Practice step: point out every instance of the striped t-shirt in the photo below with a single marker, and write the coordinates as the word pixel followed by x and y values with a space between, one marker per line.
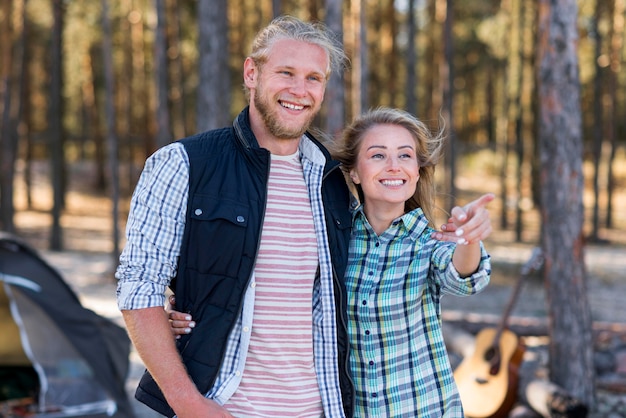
pixel 279 378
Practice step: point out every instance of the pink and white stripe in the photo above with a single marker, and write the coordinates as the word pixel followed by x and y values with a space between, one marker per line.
pixel 279 378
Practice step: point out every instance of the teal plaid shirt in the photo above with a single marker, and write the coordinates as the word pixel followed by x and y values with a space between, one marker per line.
pixel 395 282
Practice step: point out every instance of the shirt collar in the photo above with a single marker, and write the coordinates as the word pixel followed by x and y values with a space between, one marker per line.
pixel 413 224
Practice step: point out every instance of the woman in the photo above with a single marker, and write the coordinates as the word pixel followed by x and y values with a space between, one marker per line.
pixel 399 267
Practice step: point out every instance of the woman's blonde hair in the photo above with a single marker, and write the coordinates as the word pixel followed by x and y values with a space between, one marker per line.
pixel 428 149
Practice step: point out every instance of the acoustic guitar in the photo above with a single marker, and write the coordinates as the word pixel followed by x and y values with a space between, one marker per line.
pixel 487 380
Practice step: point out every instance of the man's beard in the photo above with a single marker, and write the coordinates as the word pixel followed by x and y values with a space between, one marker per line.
pixel 272 121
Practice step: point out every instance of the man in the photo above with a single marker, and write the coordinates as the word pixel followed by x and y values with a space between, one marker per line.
pixel 249 225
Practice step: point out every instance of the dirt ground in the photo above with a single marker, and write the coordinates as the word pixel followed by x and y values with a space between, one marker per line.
pixel 88 265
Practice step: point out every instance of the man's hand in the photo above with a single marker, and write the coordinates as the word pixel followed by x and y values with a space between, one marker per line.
pixel 203 408
pixel 151 335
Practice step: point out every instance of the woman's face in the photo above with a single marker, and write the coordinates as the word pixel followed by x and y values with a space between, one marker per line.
pixel 386 168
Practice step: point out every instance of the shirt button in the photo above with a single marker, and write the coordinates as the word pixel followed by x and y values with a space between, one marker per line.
pixel 371 273
pixel 253 284
pixel 240 219
pixel 367 332
pixel 371 363
pixel 374 395
pixel 198 212
pixel 237 373
pixel 377 244
pixel 364 302
pixel 246 329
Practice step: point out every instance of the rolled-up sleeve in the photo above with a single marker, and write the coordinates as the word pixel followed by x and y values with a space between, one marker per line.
pixel 154 230
pixel 450 280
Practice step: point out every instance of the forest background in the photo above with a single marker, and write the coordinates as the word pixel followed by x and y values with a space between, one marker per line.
pixel 90 88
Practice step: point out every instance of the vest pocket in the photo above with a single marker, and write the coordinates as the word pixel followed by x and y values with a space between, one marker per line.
pixel 217 235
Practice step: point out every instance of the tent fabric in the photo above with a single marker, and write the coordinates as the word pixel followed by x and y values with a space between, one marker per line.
pixel 11 350
pixel 81 358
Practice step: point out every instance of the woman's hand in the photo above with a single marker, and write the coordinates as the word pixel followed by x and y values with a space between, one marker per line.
pixel 468 224
pixel 180 323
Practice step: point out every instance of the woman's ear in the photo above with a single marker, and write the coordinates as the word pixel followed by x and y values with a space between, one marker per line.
pixel 354 177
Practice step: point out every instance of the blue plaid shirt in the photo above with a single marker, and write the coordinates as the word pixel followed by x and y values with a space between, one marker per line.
pixel 395 282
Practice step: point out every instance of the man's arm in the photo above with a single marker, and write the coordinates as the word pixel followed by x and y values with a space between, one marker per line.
pixel 150 332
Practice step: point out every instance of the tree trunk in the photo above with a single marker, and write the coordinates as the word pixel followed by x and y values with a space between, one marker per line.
pixel 91 121
pixel 335 114
pixel 359 61
pixel 447 80
pixel 111 134
pixel 6 163
pixel 517 117
pixel 177 95
pixel 411 61
pixel 26 115
pixel 561 151
pixel 502 131
pixel 616 47
pixel 13 82
pixel 598 136
pixel 391 63
pixel 164 128
pixel 142 123
pixel 277 8
pixel 432 94
pixel 55 126
pixel 126 97
pixel 214 87
pixel 363 85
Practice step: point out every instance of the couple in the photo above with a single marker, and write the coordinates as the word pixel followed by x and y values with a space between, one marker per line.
pixel 301 308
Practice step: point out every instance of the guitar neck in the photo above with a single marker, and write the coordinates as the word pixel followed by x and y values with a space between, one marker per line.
pixel 532 264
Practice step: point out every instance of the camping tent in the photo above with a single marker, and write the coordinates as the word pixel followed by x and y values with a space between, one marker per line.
pixel 57 358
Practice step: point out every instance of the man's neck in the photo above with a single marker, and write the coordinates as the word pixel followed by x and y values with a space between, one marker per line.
pixel 279 146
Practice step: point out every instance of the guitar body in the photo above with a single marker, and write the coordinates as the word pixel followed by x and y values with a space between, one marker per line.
pixel 485 392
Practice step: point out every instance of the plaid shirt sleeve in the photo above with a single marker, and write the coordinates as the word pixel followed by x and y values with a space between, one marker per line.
pixel 154 230
pixel 448 278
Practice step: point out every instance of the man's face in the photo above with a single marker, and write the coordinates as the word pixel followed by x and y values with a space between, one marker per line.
pixel 288 90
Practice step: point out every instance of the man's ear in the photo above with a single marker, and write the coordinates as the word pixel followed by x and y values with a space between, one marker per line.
pixel 250 73
pixel 355 177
